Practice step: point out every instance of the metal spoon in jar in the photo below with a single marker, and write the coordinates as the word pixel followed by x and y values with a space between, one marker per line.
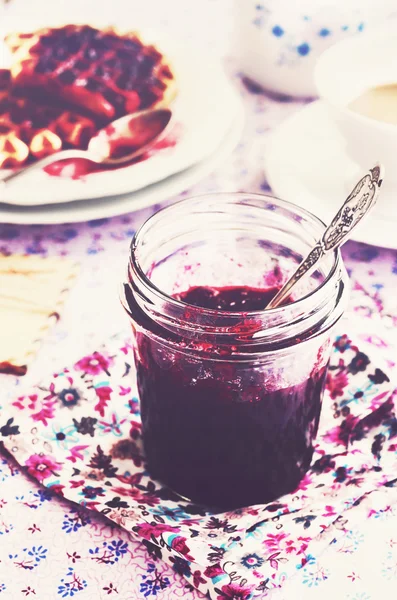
pixel 119 142
pixel 356 206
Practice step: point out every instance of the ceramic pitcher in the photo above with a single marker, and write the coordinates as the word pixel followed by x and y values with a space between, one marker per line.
pixel 278 41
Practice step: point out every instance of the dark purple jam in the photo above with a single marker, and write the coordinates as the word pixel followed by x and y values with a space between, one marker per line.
pixel 214 430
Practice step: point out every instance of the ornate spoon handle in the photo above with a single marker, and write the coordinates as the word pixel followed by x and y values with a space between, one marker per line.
pixel 356 206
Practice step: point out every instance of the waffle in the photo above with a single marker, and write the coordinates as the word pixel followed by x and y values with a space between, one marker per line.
pixel 30 130
pixel 100 72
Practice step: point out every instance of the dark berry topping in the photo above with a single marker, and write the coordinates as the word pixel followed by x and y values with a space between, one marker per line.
pixel 67 77
pixel 45 65
pixel 165 71
pixel 124 83
pixel 82 65
pixel 116 100
pixel 154 54
pixel 5 75
pixel 60 52
pixel 104 73
pixel 92 85
pixel 148 97
pixel 113 63
pixel 132 45
pixel 123 54
pixel 90 53
pixel 17 115
pixel 39 121
pixel 48 40
pixel 110 40
pixel 132 71
pixel 73 43
pixel 98 44
pixel 157 83
pixel 4 129
pixel 146 65
pixel 88 33
pixel 50 113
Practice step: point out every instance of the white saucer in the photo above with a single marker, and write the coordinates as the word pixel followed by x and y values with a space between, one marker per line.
pixel 99 208
pixel 200 124
pixel 306 163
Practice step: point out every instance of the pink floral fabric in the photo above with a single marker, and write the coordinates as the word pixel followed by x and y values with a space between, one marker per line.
pixel 78 434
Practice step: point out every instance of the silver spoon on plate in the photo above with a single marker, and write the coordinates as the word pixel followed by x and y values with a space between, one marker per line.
pixel 119 142
pixel 356 207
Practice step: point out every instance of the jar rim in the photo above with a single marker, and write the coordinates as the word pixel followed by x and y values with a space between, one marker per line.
pixel 163 296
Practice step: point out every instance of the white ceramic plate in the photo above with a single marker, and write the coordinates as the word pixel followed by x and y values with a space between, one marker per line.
pixel 203 111
pixel 99 208
pixel 306 163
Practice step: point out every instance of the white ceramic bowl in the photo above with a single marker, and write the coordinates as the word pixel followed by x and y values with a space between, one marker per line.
pixel 344 72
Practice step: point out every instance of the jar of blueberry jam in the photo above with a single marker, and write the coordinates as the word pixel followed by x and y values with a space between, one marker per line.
pixel 230 393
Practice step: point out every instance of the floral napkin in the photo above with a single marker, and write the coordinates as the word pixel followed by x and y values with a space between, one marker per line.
pixel 79 434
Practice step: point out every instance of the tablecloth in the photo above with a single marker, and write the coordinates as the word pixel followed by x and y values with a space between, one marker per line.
pixel 51 549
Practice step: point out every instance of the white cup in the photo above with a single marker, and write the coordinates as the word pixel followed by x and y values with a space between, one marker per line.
pixel 279 41
pixel 342 74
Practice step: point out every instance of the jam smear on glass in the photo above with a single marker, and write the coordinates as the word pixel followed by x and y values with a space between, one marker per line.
pixel 222 432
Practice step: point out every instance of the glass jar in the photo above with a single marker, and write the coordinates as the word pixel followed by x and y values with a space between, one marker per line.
pixel 230 400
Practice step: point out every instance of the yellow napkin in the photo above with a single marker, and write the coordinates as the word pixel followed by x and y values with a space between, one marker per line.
pixel 32 292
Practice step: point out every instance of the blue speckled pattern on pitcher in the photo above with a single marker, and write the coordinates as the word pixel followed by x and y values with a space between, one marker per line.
pixel 280 41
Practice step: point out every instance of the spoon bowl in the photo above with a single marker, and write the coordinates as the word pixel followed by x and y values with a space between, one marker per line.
pixel 119 142
pixel 130 136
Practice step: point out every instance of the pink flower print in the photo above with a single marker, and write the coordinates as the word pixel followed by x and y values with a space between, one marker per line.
pixel 114 426
pixel 290 547
pixel 91 492
pixel 342 343
pixel 214 571
pixel 76 484
pixel 46 407
pixel 273 540
pixel 146 531
pixel 94 365
pixel 57 488
pixel 41 467
pixel 233 591
pixel 103 392
pixel 124 391
pixel 341 433
pixel 130 479
pixel 139 496
pixel 179 545
pixel 329 511
pixel 197 579
pixel 126 349
pixel 378 400
pixel 305 483
pixel 274 560
pixel 47 412
pixel 335 384
pixel 22 400
pixel 76 453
